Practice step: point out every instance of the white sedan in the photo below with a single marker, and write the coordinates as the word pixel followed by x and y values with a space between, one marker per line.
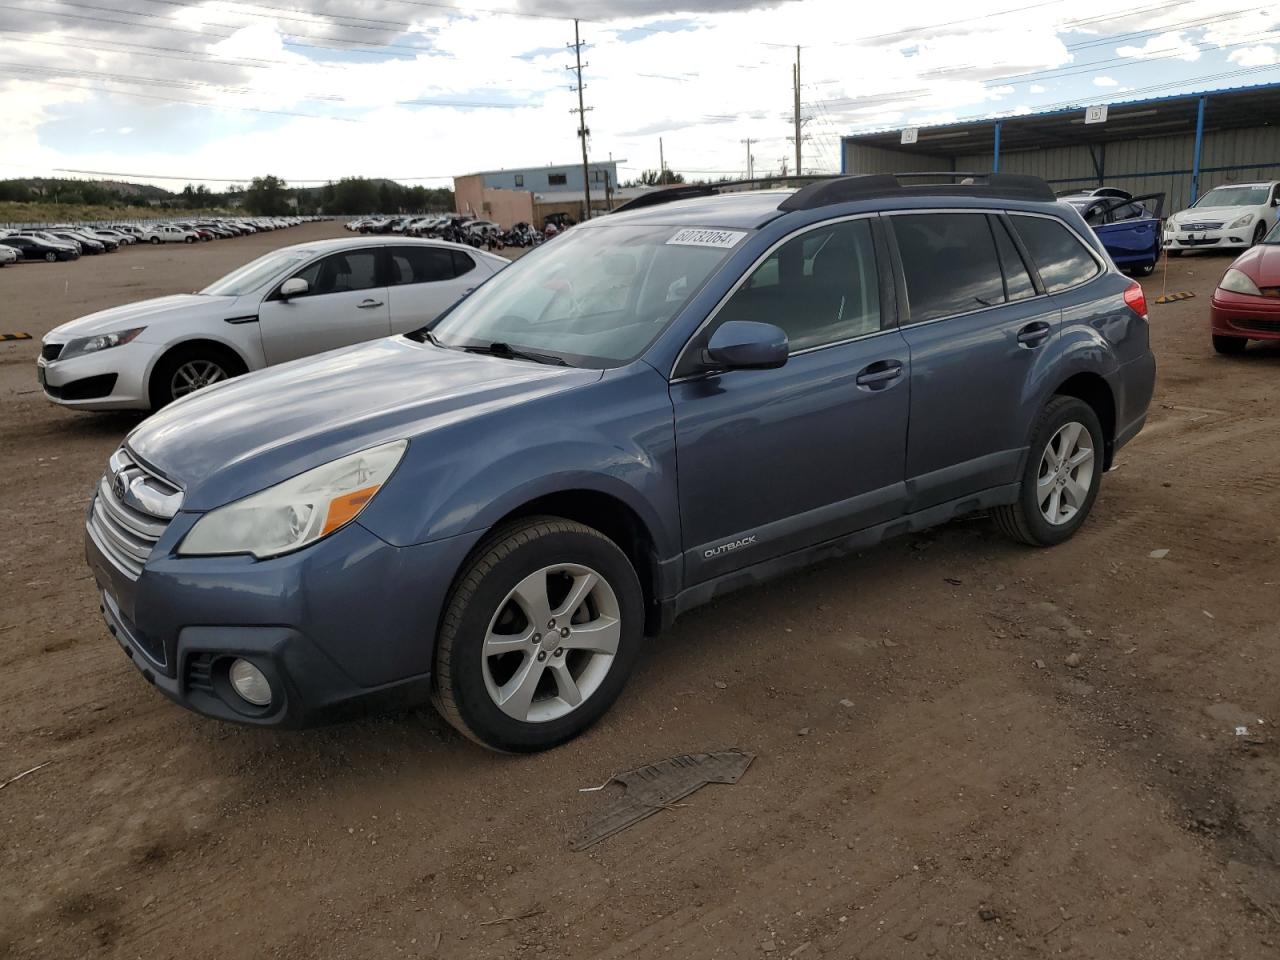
pixel 167 233
pixel 290 303
pixel 1237 216
pixel 8 255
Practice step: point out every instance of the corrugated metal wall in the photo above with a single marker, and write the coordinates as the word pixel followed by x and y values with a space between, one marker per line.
pixel 1147 165
pixel 860 158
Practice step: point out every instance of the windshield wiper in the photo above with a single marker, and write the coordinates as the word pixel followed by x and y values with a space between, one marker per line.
pixel 500 349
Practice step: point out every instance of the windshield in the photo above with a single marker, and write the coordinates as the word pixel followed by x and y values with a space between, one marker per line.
pixel 595 297
pixel 256 273
pixel 1233 197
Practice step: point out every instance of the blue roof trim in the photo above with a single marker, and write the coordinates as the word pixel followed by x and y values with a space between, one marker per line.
pixel 985 121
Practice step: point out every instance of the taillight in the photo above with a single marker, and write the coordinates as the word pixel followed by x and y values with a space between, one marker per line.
pixel 1136 299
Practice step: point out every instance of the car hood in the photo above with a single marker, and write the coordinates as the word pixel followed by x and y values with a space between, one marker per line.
pixel 1225 214
pixel 234 439
pixel 1261 264
pixel 143 313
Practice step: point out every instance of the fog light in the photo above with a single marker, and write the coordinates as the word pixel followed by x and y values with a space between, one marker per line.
pixel 248 681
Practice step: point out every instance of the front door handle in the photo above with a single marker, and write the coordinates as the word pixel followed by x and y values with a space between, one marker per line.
pixel 366 304
pixel 1034 334
pixel 879 375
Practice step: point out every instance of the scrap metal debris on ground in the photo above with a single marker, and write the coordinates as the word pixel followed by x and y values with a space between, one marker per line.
pixel 658 786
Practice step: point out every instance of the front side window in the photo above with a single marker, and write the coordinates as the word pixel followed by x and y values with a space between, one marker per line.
pixel 949 262
pixel 821 287
pixel 1059 255
pixel 595 297
pixel 341 273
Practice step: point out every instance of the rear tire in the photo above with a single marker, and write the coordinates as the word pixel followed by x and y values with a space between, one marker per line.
pixel 189 239
pixel 1147 269
pixel 50 257
pixel 1229 346
pixel 568 659
pixel 155 240
pixel 1061 477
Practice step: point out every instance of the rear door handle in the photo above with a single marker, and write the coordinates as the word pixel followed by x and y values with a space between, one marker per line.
pixel 366 304
pixel 1034 334
pixel 878 375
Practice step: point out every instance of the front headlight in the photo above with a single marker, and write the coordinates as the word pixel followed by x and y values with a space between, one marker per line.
pixel 296 512
pixel 1241 221
pixel 103 341
pixel 1237 282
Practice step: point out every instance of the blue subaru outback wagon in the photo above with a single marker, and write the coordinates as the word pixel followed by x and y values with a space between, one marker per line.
pixel 659 407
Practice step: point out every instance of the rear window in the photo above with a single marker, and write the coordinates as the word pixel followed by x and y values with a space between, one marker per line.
pixel 950 263
pixel 1059 255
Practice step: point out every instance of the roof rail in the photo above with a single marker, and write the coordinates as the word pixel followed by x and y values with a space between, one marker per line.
pixel 686 191
pixel 1005 186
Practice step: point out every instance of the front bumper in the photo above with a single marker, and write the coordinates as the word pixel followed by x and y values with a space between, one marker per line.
pixel 84 382
pixel 345 625
pixel 1221 238
pixel 1240 315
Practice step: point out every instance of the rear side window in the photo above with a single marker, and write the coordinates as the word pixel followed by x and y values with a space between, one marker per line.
pixel 1059 255
pixel 462 263
pixel 1017 280
pixel 821 287
pixel 950 263
pixel 420 265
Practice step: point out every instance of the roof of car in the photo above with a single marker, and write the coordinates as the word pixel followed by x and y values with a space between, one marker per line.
pixel 750 209
pixel 382 240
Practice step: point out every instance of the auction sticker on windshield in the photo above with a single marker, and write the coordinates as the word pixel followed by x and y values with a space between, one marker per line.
pixel 700 237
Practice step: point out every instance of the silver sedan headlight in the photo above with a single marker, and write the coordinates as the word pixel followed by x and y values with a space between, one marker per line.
pixel 298 511
pixel 103 341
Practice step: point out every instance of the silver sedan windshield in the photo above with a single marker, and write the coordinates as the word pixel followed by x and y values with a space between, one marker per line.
pixel 256 273
pixel 595 296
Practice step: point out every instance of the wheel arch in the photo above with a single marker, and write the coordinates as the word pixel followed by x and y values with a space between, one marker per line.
pixel 1093 389
pixel 613 517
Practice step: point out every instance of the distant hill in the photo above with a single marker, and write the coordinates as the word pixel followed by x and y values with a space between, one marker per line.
pixel 64 190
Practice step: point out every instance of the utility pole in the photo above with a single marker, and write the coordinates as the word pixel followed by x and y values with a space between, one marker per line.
pixel 662 164
pixel 796 77
pixel 581 111
pixel 749 160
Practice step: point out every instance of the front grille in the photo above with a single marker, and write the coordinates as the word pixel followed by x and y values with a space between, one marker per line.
pixel 131 509
pixel 1200 226
pixel 51 351
pixel 1261 326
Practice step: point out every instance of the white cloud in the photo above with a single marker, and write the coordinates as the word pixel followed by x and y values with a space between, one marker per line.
pixel 1165 46
pixel 1036 88
pixel 1105 82
pixel 1260 56
pixel 124 131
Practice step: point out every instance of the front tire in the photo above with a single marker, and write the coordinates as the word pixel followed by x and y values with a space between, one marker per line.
pixel 185 370
pixel 1061 478
pixel 1229 346
pixel 155 240
pixel 539 635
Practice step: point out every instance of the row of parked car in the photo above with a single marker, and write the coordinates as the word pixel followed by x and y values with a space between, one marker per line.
pixel 71 241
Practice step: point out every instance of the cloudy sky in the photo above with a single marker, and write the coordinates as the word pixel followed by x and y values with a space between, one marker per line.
pixel 222 90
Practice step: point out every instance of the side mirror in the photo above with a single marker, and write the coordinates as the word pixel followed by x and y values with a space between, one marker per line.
pixel 746 345
pixel 293 287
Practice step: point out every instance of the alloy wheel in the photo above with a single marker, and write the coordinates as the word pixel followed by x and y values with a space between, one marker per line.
pixel 193 375
pixel 551 642
pixel 1066 473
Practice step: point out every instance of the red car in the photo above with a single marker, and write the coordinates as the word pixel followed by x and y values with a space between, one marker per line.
pixel 1246 305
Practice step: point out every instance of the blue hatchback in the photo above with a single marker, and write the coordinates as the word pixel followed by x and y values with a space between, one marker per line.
pixel 657 408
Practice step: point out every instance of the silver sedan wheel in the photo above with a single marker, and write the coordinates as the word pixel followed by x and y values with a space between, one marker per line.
pixel 193 375
pixel 551 642
pixel 1066 473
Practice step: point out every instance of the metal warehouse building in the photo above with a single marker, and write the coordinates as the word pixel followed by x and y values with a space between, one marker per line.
pixel 1180 146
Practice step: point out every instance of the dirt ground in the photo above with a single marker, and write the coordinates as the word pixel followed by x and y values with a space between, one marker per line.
pixel 933 776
